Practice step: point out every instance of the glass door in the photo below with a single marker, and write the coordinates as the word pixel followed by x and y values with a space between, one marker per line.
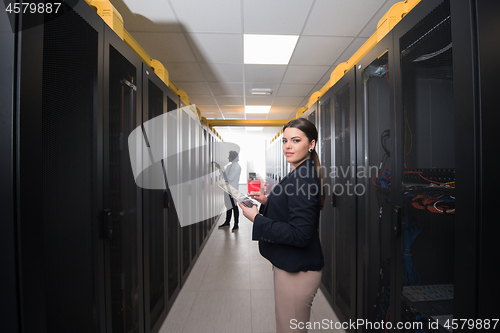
pixel 344 192
pixel 326 221
pixel 122 221
pixel 374 147
pixel 173 226
pixel 426 175
pixel 154 205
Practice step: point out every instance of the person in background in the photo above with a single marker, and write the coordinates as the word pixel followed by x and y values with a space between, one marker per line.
pixel 286 226
pixel 231 175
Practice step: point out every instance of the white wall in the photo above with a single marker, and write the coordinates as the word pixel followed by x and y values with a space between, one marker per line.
pixel 252 149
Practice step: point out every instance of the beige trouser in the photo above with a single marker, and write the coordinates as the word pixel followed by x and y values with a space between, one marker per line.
pixel 293 295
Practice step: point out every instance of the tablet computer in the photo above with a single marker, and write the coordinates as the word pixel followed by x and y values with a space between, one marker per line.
pixel 249 202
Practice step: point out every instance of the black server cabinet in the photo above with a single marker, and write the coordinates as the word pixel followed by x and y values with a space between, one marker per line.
pixel 338 218
pixel 205 185
pixel 122 215
pixel 55 111
pixel 423 168
pixel 312 114
pixel 184 175
pixel 155 203
pixel 192 202
pixel 9 306
pixel 485 15
pixel 173 224
pixel 374 145
pixel 445 103
pixel 326 222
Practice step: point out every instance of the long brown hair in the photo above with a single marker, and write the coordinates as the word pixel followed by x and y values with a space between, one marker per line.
pixel 312 134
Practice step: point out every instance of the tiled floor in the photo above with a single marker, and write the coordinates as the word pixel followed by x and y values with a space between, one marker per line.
pixel 230 289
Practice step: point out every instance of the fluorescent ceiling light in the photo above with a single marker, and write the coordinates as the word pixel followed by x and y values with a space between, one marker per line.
pixel 262 91
pixel 257 108
pixel 268 49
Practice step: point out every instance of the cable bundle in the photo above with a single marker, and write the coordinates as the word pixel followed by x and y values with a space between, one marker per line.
pixel 413 229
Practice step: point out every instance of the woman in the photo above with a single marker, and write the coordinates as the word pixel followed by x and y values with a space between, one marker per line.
pixel 231 175
pixel 286 226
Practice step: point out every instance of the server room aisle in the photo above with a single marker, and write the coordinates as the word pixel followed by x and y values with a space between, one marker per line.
pixel 230 289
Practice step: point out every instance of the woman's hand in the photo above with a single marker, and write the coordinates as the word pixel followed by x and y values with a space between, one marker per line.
pixel 259 196
pixel 249 213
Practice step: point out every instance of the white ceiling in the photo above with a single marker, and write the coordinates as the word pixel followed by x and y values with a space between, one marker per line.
pixel 200 43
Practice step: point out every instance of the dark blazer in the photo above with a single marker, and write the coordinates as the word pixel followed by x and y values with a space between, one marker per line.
pixel 287 230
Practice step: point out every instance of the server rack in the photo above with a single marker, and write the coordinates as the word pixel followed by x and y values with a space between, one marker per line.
pixel 122 197
pixel 183 176
pixel 441 87
pixel 424 129
pixel 56 109
pixel 87 249
pixel 326 225
pixel 201 188
pixel 311 114
pixel 173 226
pixel 374 102
pixel 160 220
pixel 8 260
pixel 477 24
pixel 337 220
pixel 193 188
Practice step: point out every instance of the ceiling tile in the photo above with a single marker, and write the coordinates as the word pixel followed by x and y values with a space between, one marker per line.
pixel 304 74
pixel 230 115
pixel 295 89
pixel 340 17
pixel 232 109
pixel 217 48
pixel 208 16
pixel 229 100
pixel 195 88
pixel 326 50
pixel 292 101
pixel 259 100
pixel 279 116
pixel 264 73
pixel 179 72
pixel 223 72
pixel 282 110
pixel 226 88
pixel 275 17
pixel 202 99
pixel 170 47
pixel 147 15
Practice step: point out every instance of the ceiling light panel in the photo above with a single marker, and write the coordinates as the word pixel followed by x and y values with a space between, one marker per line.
pixel 268 49
pixel 262 91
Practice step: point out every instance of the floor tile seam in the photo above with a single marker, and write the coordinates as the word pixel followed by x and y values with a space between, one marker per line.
pixel 190 311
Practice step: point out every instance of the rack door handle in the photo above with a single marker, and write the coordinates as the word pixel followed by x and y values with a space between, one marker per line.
pixel 396 221
pixel 107 224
